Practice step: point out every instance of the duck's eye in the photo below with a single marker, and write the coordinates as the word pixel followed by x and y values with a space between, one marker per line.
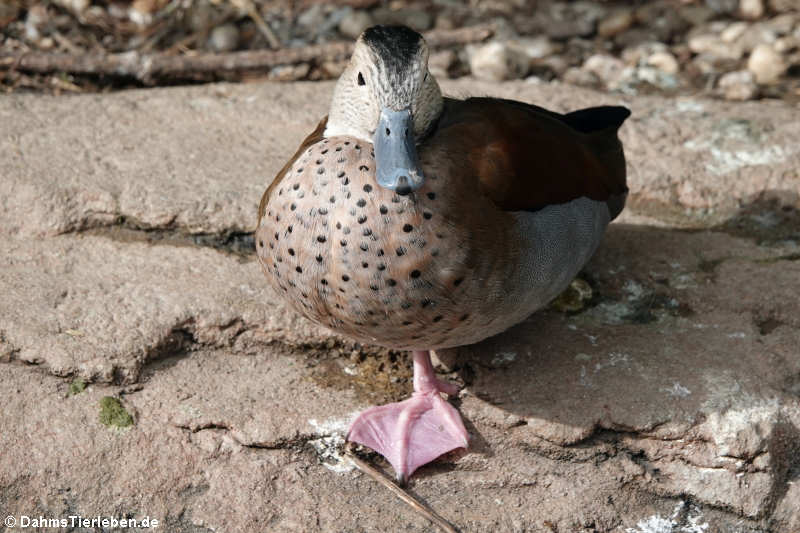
pixel 361 79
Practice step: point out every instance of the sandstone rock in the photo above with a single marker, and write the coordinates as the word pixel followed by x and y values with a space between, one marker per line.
pixel 766 64
pixel 670 400
pixel 739 85
pixel 713 45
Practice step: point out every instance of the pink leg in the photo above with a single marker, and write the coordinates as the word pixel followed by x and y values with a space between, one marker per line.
pixel 416 431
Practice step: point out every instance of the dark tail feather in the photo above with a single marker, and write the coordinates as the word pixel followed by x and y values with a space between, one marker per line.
pixel 600 118
pixel 600 124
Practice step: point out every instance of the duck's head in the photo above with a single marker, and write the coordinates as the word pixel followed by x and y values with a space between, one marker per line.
pixel 386 96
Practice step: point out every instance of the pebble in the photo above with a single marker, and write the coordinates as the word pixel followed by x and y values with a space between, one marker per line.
pixel 416 19
pixel 354 23
pixel 224 38
pixel 607 68
pixel 579 76
pixel 751 9
pixel 664 61
pixel 713 45
pixel 733 32
pixel 615 23
pixel 739 85
pixel 497 62
pixel 439 63
pixel 766 64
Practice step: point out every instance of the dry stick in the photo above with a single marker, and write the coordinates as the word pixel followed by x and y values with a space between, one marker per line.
pixel 147 67
pixel 415 504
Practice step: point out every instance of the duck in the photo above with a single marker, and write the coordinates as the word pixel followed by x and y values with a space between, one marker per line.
pixel 418 222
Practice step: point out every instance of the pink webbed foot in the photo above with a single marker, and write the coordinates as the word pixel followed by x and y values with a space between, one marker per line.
pixel 416 431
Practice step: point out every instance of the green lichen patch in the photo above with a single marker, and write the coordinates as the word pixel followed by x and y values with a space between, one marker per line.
pixel 77 386
pixel 113 414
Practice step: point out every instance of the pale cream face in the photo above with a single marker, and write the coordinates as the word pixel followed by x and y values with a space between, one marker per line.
pixel 367 85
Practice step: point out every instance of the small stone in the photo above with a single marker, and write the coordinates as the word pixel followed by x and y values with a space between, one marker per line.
pixel 733 32
pixel 439 63
pixel 751 9
pixel 695 15
pixel 35 22
pixel 76 6
pixel 782 6
pixel 739 85
pixel 766 64
pixel 664 61
pixel 581 77
pixel 8 13
pixel 224 38
pixel 354 23
pixel 496 62
pixel 714 46
pixel 756 34
pixel 786 44
pixel 535 47
pixel 607 68
pixel 615 23
pixel 415 19
pixel 723 7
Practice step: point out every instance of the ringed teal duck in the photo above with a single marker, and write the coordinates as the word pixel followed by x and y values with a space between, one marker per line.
pixel 414 221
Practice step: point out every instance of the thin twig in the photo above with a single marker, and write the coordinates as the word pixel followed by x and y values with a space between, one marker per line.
pixel 263 27
pixel 148 67
pixel 415 504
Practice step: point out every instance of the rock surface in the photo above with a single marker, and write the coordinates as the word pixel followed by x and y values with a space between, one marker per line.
pixel 670 402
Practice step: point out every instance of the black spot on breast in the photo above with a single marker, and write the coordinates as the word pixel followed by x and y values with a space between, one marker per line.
pixel 319 259
pixel 363 168
pixel 408 228
pixel 321 238
pixel 341 174
pixel 361 202
pixel 296 186
pixel 383 209
pixel 290 228
pixel 343 242
pixel 345 277
pixel 367 232
pixel 415 274
pixel 400 251
pixel 364 247
pixel 364 264
pixel 380 252
pixel 362 219
pixel 299 269
pixel 367 188
pixel 321 170
pixel 332 199
pixel 426 215
pixel 293 206
pixel 323 210
pixel 373 286
pixel 323 281
pixel 391 282
pixel 381 267
pixel 291 251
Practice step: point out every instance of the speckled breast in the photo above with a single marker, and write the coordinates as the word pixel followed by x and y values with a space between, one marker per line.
pixel 362 260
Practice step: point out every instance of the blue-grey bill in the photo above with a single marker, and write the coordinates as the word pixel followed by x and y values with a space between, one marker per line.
pixel 396 164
